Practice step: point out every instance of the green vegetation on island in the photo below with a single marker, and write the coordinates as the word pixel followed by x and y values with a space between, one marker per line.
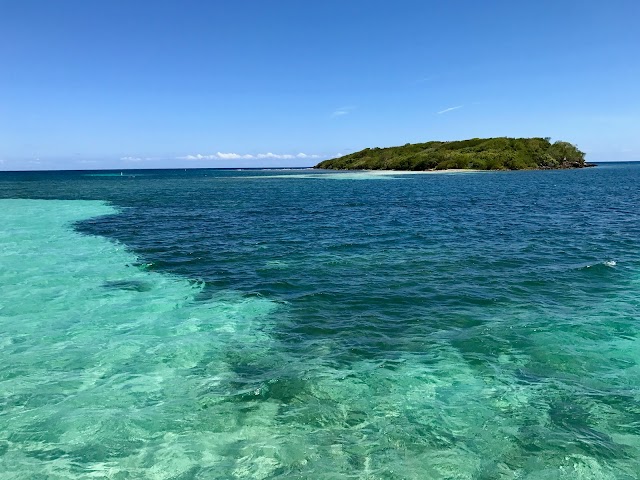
pixel 500 153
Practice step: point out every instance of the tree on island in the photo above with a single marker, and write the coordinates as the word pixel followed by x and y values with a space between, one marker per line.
pixel 501 153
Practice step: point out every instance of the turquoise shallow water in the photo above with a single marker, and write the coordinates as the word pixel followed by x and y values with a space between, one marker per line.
pixel 284 324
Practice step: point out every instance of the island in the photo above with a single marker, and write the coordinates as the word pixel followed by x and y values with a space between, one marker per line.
pixel 501 153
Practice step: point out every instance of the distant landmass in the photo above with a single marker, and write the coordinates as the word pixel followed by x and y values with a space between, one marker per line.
pixel 500 153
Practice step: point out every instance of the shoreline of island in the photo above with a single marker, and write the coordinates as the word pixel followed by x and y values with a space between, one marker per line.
pixel 410 172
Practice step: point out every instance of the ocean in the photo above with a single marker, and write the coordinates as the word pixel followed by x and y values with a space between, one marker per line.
pixel 301 324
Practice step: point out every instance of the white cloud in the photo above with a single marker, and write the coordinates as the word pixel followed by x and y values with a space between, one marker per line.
pixel 140 159
pixel 197 156
pixel 338 112
pixel 232 156
pixel 449 109
pixel 228 156
pixel 216 156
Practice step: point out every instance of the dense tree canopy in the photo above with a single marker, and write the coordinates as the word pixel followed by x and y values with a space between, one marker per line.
pixel 500 153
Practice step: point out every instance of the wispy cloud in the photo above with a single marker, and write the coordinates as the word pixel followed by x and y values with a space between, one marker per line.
pixel 449 109
pixel 339 112
pixel 238 156
pixel 426 79
pixel 275 155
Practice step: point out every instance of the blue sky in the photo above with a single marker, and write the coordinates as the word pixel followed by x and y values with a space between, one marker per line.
pixel 143 84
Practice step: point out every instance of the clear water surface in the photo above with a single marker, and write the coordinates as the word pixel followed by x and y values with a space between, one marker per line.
pixel 296 324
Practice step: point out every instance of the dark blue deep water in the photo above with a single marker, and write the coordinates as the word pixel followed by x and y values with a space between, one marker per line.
pixel 302 324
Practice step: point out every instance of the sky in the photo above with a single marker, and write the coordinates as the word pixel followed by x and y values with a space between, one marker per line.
pixel 255 83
